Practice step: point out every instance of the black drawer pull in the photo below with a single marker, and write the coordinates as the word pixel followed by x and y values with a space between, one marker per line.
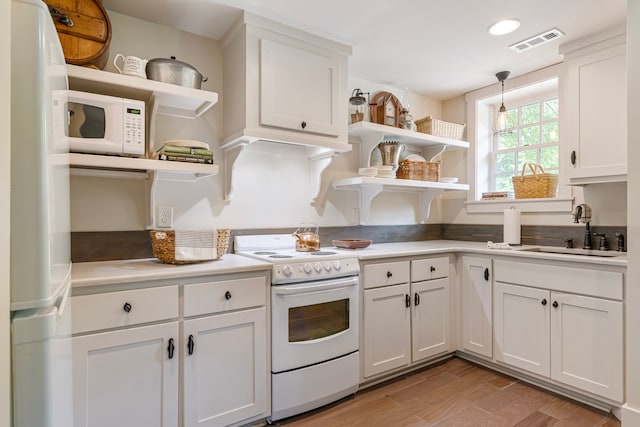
pixel 486 274
pixel 407 300
pixel 389 274
pixel 190 345
pixel 171 348
pixel 227 295
pixel 127 307
pixel 543 302
pixel 432 269
pixel 303 125
pixel 416 299
pixel 555 304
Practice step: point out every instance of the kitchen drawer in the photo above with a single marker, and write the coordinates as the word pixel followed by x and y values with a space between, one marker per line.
pixel 387 273
pixel 578 280
pixel 430 268
pixel 109 310
pixel 213 297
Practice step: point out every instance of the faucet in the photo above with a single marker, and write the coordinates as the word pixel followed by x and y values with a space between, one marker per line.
pixel 582 213
pixel 621 247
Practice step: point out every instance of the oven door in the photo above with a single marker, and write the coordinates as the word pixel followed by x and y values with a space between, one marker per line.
pixel 313 322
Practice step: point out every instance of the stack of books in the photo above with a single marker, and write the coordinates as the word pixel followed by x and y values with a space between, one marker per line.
pixel 498 195
pixel 185 151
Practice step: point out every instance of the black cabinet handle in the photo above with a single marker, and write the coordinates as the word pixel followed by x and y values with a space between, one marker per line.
pixel 555 304
pixel 486 274
pixel 171 348
pixel 543 302
pixel 432 269
pixel 127 307
pixel 227 295
pixel 416 299
pixel 573 157
pixel 407 300
pixel 303 124
pixel 190 345
pixel 389 274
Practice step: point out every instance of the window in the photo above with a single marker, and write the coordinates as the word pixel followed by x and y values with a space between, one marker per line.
pixel 534 103
pixel 534 140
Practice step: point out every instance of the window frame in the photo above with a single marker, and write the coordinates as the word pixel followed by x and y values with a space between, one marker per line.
pixel 481 107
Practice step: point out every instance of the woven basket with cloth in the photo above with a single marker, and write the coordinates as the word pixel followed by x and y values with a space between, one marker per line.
pixel 189 246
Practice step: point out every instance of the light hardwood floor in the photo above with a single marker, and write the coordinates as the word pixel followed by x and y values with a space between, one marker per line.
pixel 455 393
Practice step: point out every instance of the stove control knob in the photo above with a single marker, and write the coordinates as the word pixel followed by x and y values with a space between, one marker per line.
pixel 287 270
pixel 337 264
pixel 327 265
pixel 317 267
pixel 307 268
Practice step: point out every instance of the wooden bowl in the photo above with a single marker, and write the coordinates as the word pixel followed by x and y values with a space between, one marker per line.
pixel 351 243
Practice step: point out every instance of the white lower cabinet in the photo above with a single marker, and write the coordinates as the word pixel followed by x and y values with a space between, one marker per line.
pixel 225 370
pixel 407 322
pixel 126 378
pixel 138 360
pixel 477 309
pixel 573 339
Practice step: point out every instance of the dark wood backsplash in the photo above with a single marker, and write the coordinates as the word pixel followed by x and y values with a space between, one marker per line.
pixel 114 245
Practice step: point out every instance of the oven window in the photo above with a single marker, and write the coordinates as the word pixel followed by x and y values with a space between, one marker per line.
pixel 312 322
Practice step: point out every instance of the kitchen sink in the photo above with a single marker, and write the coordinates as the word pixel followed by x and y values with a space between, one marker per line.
pixel 572 251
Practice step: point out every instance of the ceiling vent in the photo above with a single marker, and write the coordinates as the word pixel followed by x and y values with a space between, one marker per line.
pixel 536 41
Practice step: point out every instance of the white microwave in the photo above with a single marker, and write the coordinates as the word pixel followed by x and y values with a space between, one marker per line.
pixel 105 124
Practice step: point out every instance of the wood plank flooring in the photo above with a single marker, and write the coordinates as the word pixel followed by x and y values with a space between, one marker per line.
pixel 456 393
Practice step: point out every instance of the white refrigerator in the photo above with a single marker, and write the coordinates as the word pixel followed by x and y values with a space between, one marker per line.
pixel 40 263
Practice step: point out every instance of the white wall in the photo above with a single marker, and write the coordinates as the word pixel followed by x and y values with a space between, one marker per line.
pixel 631 414
pixel 5 200
pixel 272 182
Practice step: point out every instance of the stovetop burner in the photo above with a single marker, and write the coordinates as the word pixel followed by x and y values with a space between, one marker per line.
pixel 322 253
pixel 264 253
pixel 280 256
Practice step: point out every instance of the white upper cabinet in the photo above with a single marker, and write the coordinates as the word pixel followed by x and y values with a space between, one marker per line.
pixel 594 101
pixel 287 86
pixel 284 85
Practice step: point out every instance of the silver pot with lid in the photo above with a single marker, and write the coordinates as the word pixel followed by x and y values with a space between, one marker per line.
pixel 170 70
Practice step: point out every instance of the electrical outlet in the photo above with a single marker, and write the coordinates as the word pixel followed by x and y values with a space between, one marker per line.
pixel 165 216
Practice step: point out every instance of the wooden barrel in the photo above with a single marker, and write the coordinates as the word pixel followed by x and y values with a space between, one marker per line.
pixel 84 30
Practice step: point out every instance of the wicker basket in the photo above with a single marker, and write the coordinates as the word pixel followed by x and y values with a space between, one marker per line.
pixel 535 186
pixel 163 245
pixel 441 128
pixel 420 171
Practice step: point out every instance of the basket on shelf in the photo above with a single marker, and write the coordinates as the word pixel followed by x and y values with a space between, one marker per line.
pixel 193 245
pixel 441 128
pixel 418 170
pixel 535 186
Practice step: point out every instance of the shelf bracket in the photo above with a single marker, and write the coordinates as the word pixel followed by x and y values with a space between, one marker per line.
pixel 367 194
pixel 232 152
pixel 425 198
pixel 319 161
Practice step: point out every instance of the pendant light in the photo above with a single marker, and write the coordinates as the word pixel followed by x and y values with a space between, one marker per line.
pixel 503 124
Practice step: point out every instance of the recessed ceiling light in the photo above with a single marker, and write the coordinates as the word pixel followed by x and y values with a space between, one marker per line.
pixel 505 26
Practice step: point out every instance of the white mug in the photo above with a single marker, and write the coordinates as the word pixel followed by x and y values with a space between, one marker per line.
pixel 131 65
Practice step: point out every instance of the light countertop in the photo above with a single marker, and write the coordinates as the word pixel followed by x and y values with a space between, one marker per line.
pixel 85 274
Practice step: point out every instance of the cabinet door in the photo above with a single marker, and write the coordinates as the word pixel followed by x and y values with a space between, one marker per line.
pixel 597 133
pixel 477 332
pixel 521 316
pixel 587 344
pixel 126 378
pixel 299 87
pixel 387 322
pixel 225 368
pixel 430 319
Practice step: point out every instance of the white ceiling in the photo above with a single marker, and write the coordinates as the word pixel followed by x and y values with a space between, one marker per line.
pixel 437 48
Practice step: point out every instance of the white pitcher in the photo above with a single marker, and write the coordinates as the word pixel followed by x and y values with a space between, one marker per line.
pixel 131 65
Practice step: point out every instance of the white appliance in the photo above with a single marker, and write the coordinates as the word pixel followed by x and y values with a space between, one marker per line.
pixel 105 124
pixel 40 266
pixel 314 322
